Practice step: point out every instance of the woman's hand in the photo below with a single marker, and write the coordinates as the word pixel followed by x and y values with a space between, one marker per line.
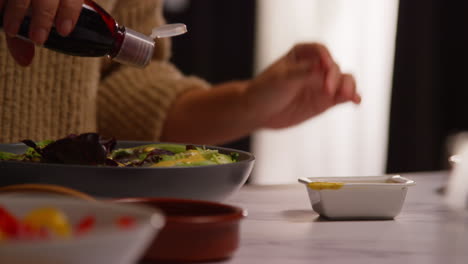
pixel 44 14
pixel 300 85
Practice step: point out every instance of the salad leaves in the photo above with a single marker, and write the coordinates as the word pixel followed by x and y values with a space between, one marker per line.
pixel 91 149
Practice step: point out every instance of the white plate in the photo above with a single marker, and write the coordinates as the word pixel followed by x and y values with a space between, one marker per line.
pixel 105 243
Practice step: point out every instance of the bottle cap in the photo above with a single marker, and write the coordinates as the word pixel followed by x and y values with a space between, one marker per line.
pixel 137 49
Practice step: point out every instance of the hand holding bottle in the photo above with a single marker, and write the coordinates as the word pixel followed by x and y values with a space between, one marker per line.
pixel 44 14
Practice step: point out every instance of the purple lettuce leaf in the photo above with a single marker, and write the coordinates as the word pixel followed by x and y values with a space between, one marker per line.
pixel 83 149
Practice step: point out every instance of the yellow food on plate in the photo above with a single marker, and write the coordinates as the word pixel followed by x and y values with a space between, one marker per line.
pixel 191 157
pixel 49 218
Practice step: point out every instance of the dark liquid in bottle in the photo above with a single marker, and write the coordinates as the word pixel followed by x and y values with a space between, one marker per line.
pixel 96 34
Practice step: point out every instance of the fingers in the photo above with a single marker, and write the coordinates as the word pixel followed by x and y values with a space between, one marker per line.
pixel 314 52
pixel 43 16
pixel 14 13
pixel 321 61
pixel 341 87
pixel 347 90
pixel 357 99
pixel 325 57
pixel 332 79
pixel 22 51
pixel 67 15
pixel 44 13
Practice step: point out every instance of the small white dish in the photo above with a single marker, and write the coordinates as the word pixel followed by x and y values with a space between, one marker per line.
pixel 105 243
pixel 370 197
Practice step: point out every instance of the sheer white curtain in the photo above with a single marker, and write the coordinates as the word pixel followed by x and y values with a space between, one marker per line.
pixel 347 140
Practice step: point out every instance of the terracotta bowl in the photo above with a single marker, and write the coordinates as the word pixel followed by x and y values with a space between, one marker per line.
pixel 195 230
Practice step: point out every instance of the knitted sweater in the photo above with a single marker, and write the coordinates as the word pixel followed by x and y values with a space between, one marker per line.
pixel 59 94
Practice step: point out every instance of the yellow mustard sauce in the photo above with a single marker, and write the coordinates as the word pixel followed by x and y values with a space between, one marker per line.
pixel 195 156
pixel 325 185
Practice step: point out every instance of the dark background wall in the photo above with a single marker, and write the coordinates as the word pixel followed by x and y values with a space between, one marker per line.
pixel 220 43
pixel 430 93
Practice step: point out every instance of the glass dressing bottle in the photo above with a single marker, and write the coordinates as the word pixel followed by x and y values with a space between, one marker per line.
pixel 97 34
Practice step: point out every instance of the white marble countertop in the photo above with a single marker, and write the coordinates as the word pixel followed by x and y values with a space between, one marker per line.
pixel 282 228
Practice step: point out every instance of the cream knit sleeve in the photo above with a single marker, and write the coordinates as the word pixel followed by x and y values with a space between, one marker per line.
pixel 132 102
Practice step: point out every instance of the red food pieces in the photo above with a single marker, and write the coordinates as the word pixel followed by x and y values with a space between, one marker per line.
pixel 85 225
pixel 9 225
pixel 125 222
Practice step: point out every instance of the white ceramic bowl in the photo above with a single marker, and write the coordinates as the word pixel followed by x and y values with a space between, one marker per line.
pixel 105 243
pixel 371 197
